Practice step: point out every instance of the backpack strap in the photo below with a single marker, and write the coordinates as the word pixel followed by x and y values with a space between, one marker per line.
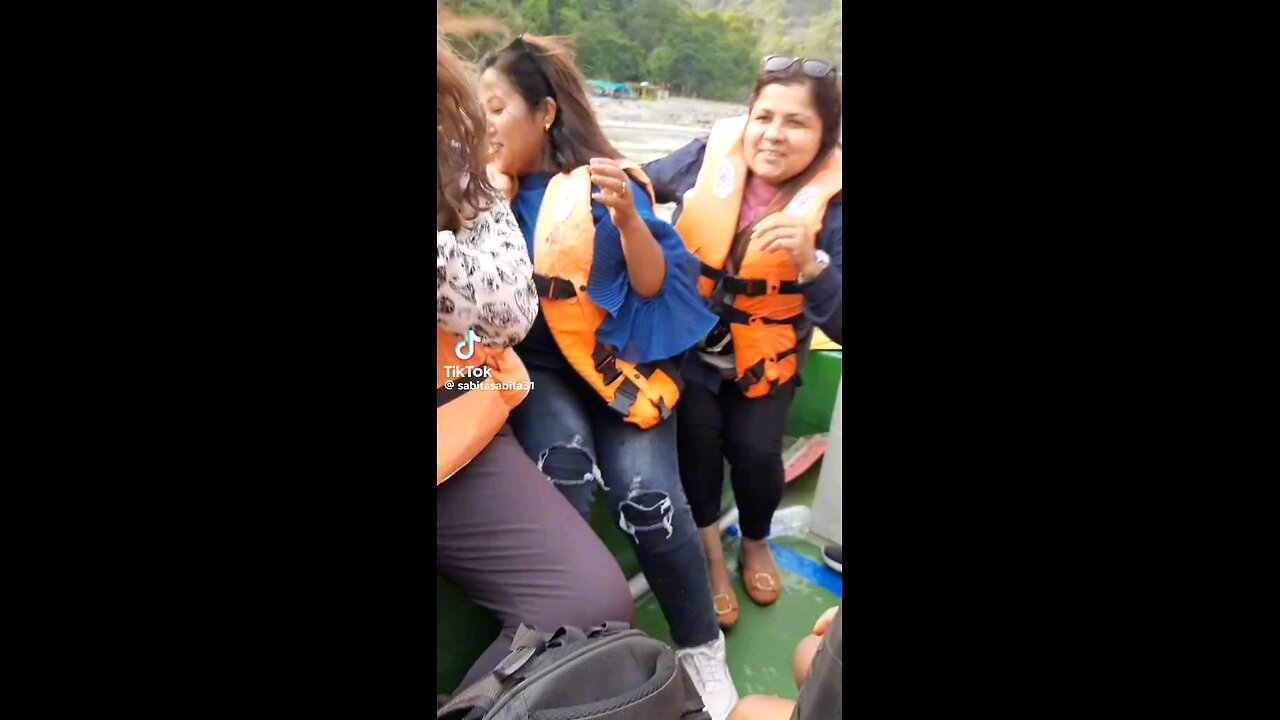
pixel 608 628
pixel 478 698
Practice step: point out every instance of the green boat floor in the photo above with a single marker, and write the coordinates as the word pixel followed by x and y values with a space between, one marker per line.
pixel 760 646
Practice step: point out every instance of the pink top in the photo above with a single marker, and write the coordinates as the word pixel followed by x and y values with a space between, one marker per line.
pixel 755 199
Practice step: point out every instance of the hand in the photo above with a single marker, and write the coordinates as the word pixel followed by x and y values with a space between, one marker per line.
pixel 615 189
pixel 824 622
pixel 780 231
pixel 505 184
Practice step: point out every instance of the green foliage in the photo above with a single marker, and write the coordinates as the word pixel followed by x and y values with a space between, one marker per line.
pixel 606 53
pixel 712 47
pixel 551 17
pixel 790 27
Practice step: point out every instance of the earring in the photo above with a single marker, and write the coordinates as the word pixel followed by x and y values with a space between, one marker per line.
pixel 546 128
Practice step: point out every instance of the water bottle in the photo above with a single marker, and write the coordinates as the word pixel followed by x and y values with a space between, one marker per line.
pixel 788 522
pixel 791 522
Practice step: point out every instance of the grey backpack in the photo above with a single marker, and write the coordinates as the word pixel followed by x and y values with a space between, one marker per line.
pixel 607 673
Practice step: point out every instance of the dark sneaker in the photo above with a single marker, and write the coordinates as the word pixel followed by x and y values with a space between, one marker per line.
pixel 833 556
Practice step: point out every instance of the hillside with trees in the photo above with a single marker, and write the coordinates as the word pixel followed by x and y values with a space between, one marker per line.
pixel 810 28
pixel 704 48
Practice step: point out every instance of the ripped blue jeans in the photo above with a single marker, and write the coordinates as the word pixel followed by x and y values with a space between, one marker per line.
pixel 581 445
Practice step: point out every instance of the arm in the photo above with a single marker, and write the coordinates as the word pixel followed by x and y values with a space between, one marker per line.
pixel 824 295
pixel 646 329
pixel 823 287
pixel 646 268
pixel 484 279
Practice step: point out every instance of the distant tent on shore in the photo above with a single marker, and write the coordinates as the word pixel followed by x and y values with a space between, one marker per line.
pixel 608 89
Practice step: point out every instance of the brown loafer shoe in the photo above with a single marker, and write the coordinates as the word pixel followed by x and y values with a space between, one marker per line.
pixel 763 584
pixel 726 605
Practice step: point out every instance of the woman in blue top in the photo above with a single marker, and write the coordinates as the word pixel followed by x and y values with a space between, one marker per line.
pixel 618 295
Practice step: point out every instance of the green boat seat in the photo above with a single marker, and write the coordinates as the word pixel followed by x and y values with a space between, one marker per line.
pixel 815 399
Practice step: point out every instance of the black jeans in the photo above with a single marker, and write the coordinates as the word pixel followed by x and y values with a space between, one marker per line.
pixel 713 427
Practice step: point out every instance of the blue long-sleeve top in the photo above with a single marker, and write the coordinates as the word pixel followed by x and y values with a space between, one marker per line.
pixel 642 329
pixel 676 174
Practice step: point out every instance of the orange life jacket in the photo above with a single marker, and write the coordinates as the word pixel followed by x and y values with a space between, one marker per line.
pixel 768 306
pixel 564 243
pixel 468 419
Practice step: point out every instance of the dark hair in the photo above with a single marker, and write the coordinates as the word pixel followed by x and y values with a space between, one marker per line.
pixel 460 144
pixel 825 92
pixel 541 68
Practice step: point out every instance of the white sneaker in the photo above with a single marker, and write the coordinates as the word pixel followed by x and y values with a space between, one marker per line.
pixel 710 674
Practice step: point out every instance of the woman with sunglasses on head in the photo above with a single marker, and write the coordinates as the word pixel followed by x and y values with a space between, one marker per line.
pixel 760 205
pixel 504 536
pixel 618 301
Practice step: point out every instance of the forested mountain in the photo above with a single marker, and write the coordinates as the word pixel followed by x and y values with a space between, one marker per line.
pixel 793 27
pixel 704 50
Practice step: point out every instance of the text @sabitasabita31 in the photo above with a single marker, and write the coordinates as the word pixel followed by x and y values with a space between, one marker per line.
pixel 482 384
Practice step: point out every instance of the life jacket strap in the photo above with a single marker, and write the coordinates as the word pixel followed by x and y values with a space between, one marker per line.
pixel 605 363
pixel 738 317
pixel 755 373
pixel 627 391
pixel 751 287
pixel 553 288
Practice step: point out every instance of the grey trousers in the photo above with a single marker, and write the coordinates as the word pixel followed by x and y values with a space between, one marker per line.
pixel 509 540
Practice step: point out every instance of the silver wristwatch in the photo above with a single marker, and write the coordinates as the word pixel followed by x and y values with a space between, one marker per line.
pixel 819 257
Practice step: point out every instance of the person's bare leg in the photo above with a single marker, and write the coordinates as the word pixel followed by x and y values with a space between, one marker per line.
pixel 757 553
pixel 713 547
pixel 762 707
pixel 760 575
pixel 802 660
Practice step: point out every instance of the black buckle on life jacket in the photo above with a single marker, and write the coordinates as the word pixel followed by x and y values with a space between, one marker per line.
pixel 605 363
pixel 719 337
pixel 553 288
pixel 624 397
pixel 663 411
pixel 751 376
pixel 755 373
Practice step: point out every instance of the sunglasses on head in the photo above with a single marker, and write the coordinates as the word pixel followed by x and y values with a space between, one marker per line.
pixel 813 68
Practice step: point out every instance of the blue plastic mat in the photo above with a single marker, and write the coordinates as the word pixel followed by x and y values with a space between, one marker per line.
pixel 816 573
